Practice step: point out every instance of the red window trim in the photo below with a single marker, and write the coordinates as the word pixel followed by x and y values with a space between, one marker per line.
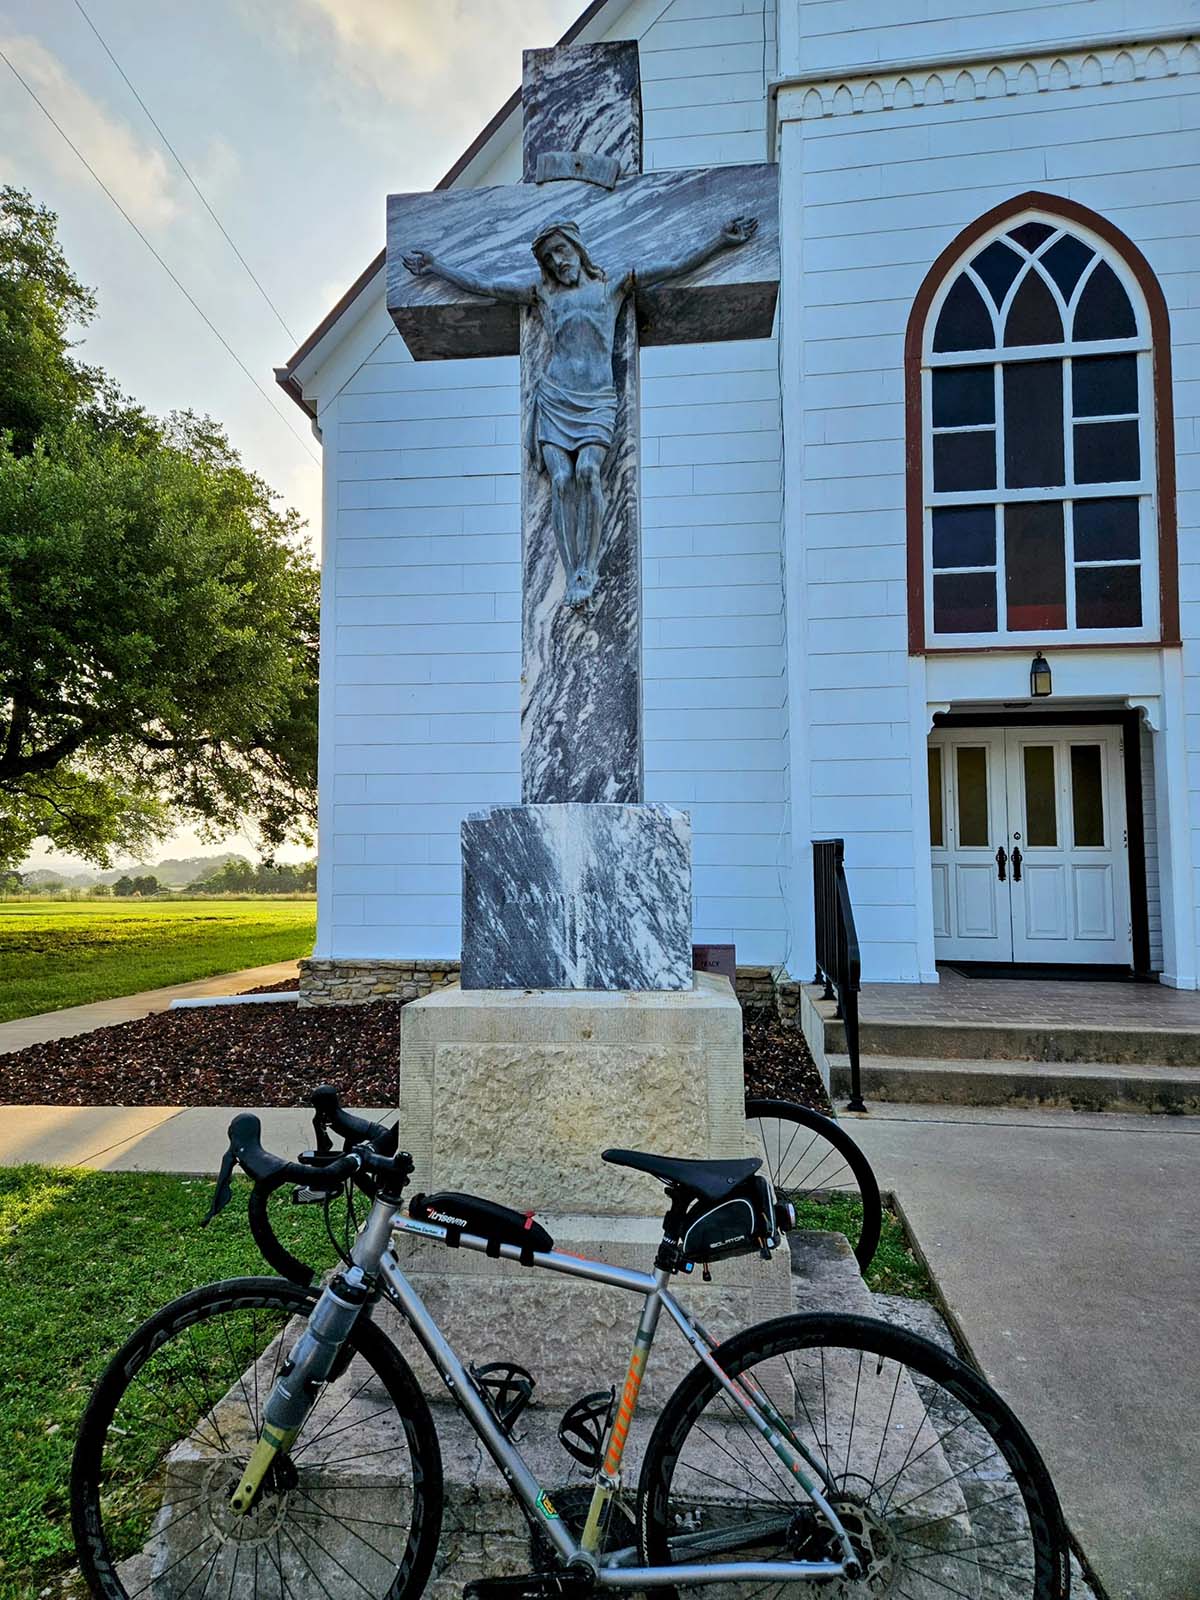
pixel 1164 409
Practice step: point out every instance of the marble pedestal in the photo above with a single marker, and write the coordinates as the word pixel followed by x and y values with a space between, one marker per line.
pixel 577 897
pixel 513 1096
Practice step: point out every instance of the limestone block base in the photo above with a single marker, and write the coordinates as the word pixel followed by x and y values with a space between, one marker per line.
pixel 513 1094
pixel 576 1336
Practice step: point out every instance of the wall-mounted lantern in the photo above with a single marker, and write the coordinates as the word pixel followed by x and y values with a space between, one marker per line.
pixel 1040 682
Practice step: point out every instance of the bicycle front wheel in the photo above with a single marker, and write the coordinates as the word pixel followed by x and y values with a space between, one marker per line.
pixel 353 1507
pixel 938 1486
pixel 812 1159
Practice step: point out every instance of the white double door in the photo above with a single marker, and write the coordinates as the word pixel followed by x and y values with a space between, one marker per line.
pixel 1029 847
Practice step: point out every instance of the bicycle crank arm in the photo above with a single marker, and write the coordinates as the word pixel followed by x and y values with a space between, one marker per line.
pixel 273 1441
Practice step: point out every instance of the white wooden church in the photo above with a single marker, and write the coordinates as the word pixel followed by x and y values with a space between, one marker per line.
pixel 921 572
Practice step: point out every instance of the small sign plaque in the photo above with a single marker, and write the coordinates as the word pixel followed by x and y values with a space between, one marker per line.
pixel 720 959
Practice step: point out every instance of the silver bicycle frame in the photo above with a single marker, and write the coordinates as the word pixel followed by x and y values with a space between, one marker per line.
pixel 372 1252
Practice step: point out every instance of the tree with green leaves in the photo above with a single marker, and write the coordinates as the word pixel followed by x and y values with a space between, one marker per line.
pixel 158 609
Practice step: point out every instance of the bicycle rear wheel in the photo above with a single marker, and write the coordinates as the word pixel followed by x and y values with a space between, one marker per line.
pixel 939 1487
pixel 812 1159
pixel 353 1507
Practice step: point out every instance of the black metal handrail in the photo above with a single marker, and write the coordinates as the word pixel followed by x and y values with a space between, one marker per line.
pixel 839 964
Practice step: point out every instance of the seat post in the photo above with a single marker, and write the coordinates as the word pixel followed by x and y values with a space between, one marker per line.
pixel 667 1259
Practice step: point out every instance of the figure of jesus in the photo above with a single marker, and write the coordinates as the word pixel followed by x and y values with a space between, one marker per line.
pixel 574 412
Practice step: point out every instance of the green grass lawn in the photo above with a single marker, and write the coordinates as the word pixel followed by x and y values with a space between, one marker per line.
pixel 84 1258
pixel 894 1269
pixel 66 953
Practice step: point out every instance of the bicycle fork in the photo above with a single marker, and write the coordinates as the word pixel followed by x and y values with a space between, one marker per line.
pixel 314 1359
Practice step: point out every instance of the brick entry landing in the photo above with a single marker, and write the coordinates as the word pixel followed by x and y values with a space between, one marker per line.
pixel 997 1041
pixel 1032 1001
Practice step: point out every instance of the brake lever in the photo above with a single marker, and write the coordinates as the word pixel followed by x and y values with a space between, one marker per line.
pixel 223 1193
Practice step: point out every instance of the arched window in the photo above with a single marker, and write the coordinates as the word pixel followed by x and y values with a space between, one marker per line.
pixel 1036 500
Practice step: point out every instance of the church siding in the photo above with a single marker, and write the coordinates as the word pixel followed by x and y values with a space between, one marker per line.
pixel 821 34
pixel 873 198
pixel 423 576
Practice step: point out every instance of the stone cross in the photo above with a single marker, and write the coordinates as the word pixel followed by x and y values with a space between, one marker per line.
pixel 696 252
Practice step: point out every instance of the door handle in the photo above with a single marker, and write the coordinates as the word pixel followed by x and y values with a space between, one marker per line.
pixel 1016 863
pixel 1001 858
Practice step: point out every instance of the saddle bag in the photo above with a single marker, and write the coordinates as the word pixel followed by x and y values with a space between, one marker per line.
pixel 486 1219
pixel 742 1222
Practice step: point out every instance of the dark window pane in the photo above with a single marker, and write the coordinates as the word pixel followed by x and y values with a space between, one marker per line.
pixel 1031 234
pixel 964 536
pixel 962 396
pixel 1035 572
pixel 1106 452
pixel 972 786
pixel 1065 261
pixel 964 461
pixel 1104 386
pixel 1033 425
pixel 1087 794
pixel 964 602
pixel 1033 317
pixel 1108 597
pixel 965 322
pixel 1041 795
pixel 937 821
pixel 1104 311
pixel 1105 530
pixel 998 266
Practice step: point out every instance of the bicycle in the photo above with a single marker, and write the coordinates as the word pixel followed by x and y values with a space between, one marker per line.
pixel 834 1455
pixel 809 1159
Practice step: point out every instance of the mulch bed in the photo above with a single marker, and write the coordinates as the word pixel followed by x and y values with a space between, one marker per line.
pixel 275 1055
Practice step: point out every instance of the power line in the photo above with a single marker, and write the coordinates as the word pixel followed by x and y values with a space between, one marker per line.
pixel 209 324
pixel 180 163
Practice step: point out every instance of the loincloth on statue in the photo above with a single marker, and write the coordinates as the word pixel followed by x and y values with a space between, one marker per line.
pixel 569 418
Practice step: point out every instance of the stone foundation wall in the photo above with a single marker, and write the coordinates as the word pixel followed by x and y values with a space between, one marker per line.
pixel 354 982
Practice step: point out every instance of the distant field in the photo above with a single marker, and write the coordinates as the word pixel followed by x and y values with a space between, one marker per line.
pixel 66 953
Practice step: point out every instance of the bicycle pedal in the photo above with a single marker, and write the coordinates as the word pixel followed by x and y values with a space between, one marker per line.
pixel 507 1388
pixel 584 1426
pixel 567 1584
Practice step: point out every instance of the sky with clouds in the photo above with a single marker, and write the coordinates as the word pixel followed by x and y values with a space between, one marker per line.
pixel 295 118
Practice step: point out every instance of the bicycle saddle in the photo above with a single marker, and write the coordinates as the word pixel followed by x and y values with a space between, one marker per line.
pixel 712 1180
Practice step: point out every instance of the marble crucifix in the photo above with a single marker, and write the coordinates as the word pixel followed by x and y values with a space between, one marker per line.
pixel 620 258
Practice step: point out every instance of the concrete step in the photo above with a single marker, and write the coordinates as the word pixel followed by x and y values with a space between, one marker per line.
pixel 1074 1085
pixel 1011 1041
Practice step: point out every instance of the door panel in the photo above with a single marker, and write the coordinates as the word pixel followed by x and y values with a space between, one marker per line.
pixel 1094 901
pixel 976 901
pixel 1039 897
pixel 1066 816
pixel 968 822
pixel 1028 845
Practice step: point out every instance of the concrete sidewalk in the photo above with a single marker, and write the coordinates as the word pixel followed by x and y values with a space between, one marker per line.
pixel 71 1020
pixel 1067 1248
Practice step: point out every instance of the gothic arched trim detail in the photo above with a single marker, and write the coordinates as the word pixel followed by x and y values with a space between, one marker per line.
pixel 1069 211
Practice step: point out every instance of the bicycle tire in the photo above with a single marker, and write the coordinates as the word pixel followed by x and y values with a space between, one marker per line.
pixel 958 1515
pixel 167 1431
pixel 817 1159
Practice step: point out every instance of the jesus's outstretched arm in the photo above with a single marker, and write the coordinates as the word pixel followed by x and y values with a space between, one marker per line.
pixel 737 231
pixel 422 264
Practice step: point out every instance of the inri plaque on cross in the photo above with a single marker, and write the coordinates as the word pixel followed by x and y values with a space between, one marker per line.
pixel 576 266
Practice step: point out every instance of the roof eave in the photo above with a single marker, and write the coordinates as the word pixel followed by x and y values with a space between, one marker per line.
pixel 287 376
